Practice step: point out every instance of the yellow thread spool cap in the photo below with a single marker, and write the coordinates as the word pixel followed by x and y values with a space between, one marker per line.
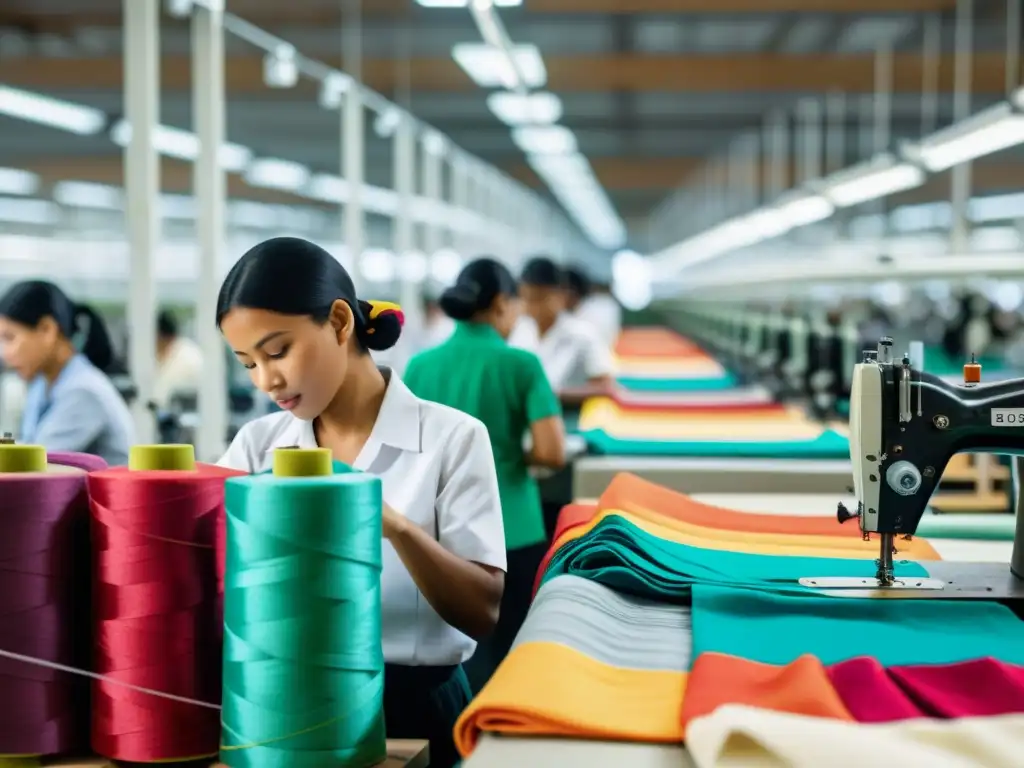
pixel 22 458
pixel 162 457
pixel 303 462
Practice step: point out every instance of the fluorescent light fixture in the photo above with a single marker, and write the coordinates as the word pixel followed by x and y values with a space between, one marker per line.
pixel 880 177
pixel 990 131
pixel 333 89
pixel 445 266
pixel 14 181
pixel 434 143
pixel 329 188
pixel 572 182
pixel 489 66
pixel 800 209
pixel 466 3
pixel 36 108
pixel 271 173
pixel 525 108
pixel 387 123
pixel 280 68
pixel 86 194
pixel 377 265
pixel 20 210
pixel 544 140
pixel 183 145
pixel 996 208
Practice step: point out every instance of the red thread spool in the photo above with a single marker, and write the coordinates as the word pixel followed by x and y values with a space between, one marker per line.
pixel 158 539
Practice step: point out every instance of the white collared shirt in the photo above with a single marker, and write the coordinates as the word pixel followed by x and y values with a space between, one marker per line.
pixel 437 469
pixel 570 352
pixel 602 313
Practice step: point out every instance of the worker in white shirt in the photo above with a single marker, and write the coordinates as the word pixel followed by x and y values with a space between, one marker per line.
pixel 179 363
pixel 289 312
pixel 578 364
pixel 595 306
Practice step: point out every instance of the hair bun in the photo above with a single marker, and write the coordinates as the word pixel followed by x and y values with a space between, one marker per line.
pixel 382 324
pixel 461 301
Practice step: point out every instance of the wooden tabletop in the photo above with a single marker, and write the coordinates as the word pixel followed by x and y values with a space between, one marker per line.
pixel 402 753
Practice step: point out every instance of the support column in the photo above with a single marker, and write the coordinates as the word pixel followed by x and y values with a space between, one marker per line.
pixel 142 199
pixel 404 230
pixel 353 128
pixel 210 193
pixel 433 228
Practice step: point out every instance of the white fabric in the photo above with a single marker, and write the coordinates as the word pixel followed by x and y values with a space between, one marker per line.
pixel 179 372
pixel 604 315
pixel 736 736
pixel 437 469
pixel 570 352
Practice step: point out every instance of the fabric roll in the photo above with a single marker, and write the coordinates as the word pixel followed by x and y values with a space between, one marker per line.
pixel 621 555
pixel 723 381
pixel 776 628
pixel 591 663
pixel 745 737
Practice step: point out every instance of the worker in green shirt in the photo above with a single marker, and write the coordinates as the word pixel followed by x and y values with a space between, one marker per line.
pixel 475 371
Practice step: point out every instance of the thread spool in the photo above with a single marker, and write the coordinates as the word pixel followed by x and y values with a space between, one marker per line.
pixel 158 612
pixel 44 601
pixel 303 665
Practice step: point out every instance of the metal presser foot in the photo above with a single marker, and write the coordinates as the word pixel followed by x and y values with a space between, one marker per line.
pixel 884 577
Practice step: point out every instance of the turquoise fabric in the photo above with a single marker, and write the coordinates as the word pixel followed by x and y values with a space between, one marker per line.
pixel 776 629
pixel 621 555
pixel 645 384
pixel 828 445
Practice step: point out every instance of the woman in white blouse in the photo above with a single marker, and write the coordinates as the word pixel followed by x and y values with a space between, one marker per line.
pixel 288 310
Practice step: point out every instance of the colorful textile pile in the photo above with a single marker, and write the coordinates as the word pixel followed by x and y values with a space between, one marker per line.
pixel 760 671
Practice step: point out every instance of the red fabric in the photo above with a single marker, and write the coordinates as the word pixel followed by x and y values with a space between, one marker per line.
pixel 978 688
pixel 628 402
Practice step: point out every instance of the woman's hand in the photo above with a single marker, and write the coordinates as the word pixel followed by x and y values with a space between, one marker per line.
pixel 394 523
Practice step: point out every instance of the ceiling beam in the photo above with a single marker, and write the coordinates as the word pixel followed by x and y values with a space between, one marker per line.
pixel 274 12
pixel 618 174
pixel 624 72
pixel 737 6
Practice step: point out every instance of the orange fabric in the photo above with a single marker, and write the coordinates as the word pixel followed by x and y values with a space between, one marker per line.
pixel 634 494
pixel 732 540
pixel 548 689
pixel 655 342
pixel 801 688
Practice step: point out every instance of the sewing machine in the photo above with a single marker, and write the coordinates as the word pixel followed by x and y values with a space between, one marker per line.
pixel 905 424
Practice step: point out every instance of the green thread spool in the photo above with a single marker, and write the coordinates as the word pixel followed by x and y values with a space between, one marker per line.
pixel 303 665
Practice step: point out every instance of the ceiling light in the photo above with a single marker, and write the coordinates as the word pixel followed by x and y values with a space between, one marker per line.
pixel 990 131
pixel 86 194
pixel 377 265
pixel 280 69
pixel 433 143
pixel 333 89
pixel 878 178
pixel 387 123
pixel 329 188
pixel 36 108
pixel 465 3
pixel 544 140
pixel 445 266
pixel 525 108
pixel 14 181
pixel 489 67
pixel 800 209
pixel 271 173
pixel 27 211
pixel 184 145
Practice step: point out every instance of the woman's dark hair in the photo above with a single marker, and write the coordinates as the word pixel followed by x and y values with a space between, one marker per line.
pixel 479 283
pixel 29 302
pixel 293 276
pixel 543 273
pixel 576 280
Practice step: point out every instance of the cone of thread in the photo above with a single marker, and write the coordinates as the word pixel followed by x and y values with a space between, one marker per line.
pixel 303 665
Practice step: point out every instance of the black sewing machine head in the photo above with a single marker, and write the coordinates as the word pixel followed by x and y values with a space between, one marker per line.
pixel 905 425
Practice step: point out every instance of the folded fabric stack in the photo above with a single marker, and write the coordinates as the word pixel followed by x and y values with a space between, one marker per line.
pixel 658 360
pixel 760 671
